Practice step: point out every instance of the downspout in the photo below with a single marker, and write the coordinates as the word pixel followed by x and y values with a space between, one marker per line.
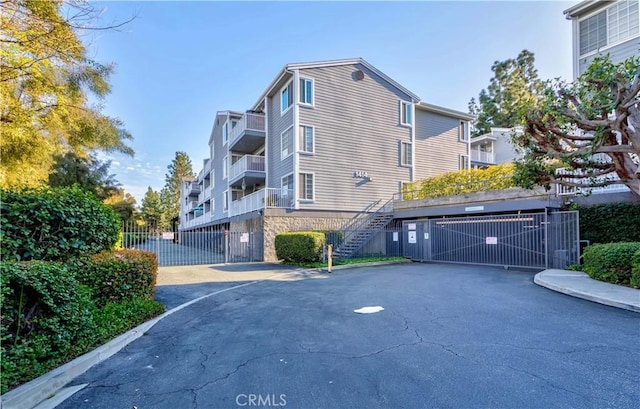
pixel 296 125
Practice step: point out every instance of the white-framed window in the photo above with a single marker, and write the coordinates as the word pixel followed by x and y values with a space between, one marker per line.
pixel 305 186
pixel 463 135
pixel 306 139
pixel 405 113
pixel 286 143
pixel 225 167
pixel 234 122
pixel 225 201
pixel 464 162
pixel 306 91
pixel 286 185
pixel 286 98
pixel 225 133
pixel 213 179
pixel 615 24
pixel 406 154
pixel 213 206
pixel 213 150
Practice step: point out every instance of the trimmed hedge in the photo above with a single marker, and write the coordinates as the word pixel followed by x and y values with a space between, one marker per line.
pixel 54 224
pixel 300 246
pixel 119 275
pixel 635 270
pixel 610 262
pixel 610 223
pixel 46 318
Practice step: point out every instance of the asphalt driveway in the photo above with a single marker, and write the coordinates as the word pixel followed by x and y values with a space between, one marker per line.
pixel 449 336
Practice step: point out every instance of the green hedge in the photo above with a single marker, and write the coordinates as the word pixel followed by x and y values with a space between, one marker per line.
pixel 49 318
pixel 46 318
pixel 54 224
pixel 300 246
pixel 635 270
pixel 610 262
pixel 118 275
pixel 610 223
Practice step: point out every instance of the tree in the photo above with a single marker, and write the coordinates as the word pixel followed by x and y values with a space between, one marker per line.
pixel 89 173
pixel 590 127
pixel 178 169
pixel 46 79
pixel 123 204
pixel 152 209
pixel 513 88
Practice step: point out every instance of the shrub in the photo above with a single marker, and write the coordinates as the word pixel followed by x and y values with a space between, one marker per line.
pixel 118 275
pixel 635 270
pixel 610 223
pixel 117 317
pixel 300 246
pixel 54 224
pixel 46 317
pixel 463 181
pixel 610 262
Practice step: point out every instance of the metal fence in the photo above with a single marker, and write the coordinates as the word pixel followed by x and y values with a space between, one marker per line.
pixel 384 243
pixel 209 245
pixel 537 240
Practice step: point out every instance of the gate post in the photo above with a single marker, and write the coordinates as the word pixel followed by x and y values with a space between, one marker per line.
pixel 226 246
pixel 546 238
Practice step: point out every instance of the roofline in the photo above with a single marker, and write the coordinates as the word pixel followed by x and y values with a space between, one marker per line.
pixel 484 137
pixel 332 63
pixel 445 111
pixel 573 12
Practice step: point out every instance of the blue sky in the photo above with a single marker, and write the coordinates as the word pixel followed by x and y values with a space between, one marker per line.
pixel 178 63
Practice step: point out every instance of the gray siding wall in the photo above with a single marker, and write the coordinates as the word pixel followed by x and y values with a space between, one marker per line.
pixel 356 125
pixel 438 146
pixel 617 53
pixel 504 150
pixel 220 151
pixel 276 166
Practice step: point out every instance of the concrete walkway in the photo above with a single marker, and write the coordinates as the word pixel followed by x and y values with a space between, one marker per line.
pixel 579 284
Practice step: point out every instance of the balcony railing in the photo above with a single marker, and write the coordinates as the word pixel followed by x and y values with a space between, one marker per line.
pixel 248 122
pixel 484 157
pixel 563 190
pixel 264 198
pixel 247 163
pixel 194 189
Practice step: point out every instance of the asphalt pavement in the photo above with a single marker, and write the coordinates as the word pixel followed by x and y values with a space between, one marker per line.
pixel 449 336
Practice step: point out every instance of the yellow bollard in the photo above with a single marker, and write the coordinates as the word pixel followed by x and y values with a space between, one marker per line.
pixel 329 259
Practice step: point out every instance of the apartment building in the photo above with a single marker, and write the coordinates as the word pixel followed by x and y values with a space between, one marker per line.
pixel 493 148
pixel 324 141
pixel 604 27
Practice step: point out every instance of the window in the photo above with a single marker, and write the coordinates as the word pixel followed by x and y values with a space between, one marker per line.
pixel 234 123
pixel 213 150
pixel 617 23
pixel 305 189
pixel 225 201
pixel 286 189
pixel 286 143
pixel 306 138
pixel 213 179
pixel 213 206
pixel 225 167
pixel 406 154
pixel 464 162
pixel 286 98
pixel 462 131
pixel 405 113
pixel 306 91
pixel 225 133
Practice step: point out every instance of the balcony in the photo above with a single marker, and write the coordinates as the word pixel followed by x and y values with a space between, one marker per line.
pixel 206 170
pixel 262 199
pixel 484 157
pixel 562 190
pixel 250 169
pixel 248 135
pixel 194 188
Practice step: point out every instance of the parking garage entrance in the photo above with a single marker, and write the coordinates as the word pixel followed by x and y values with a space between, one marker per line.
pixel 536 240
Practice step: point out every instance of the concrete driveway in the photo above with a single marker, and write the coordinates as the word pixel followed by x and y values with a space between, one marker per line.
pixel 449 336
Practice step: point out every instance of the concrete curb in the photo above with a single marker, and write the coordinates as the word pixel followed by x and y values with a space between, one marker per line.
pixel 597 291
pixel 360 265
pixel 41 391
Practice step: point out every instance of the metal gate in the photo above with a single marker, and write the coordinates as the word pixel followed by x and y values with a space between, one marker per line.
pixel 540 240
pixel 203 246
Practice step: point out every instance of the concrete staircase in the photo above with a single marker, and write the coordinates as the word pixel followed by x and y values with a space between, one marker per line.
pixel 358 233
